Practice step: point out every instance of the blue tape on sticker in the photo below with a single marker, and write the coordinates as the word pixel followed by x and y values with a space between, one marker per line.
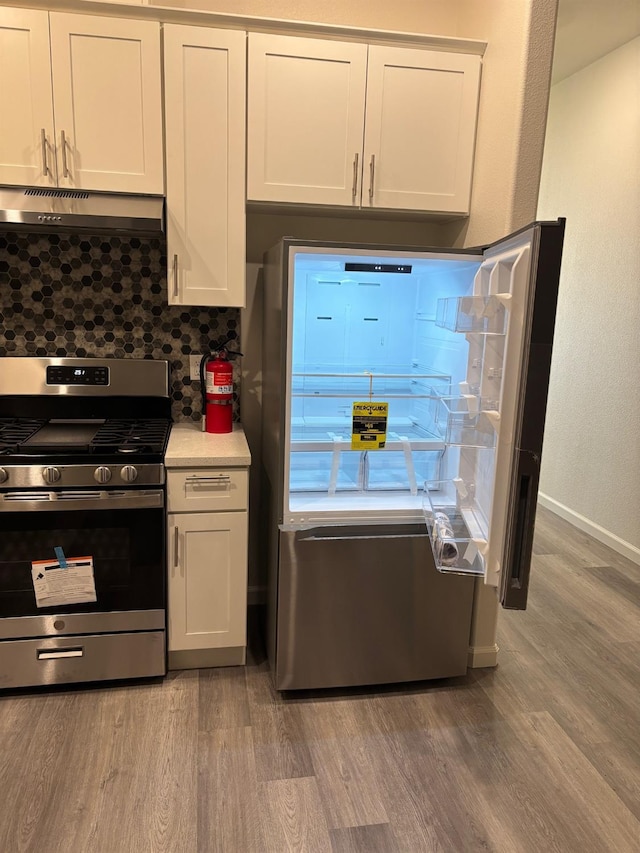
pixel 60 557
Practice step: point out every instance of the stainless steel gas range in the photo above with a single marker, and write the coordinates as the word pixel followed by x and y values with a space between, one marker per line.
pixel 82 519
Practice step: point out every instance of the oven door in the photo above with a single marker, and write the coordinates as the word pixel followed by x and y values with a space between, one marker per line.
pixel 123 532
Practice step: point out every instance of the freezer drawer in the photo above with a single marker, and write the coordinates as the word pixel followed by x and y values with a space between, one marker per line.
pixel 365 605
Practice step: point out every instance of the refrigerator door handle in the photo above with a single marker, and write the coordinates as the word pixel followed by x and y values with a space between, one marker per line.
pixel 515 580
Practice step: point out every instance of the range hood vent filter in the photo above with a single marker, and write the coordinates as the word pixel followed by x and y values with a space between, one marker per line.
pixel 79 211
pixel 57 193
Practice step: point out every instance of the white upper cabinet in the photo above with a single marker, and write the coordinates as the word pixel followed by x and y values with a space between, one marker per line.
pixel 107 103
pixel 420 129
pixel 26 110
pixel 305 119
pixel 205 88
pixel 315 139
pixel 80 102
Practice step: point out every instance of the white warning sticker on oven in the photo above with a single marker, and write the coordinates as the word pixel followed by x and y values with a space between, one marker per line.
pixel 55 585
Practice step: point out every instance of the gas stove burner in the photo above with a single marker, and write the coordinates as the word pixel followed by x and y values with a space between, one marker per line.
pixel 135 436
pixel 15 431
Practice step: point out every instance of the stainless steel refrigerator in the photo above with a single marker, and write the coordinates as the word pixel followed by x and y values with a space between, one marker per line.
pixel 404 396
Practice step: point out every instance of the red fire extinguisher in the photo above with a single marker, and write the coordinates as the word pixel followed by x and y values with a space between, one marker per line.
pixel 216 381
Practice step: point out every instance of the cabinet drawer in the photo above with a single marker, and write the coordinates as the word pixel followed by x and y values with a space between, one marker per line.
pixel 207 489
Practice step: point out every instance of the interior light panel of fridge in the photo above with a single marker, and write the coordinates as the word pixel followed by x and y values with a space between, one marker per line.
pixel 361 333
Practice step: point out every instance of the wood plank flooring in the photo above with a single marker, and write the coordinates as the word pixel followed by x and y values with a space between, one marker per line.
pixel 540 754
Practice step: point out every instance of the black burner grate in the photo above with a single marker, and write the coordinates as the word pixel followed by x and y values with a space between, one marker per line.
pixel 15 431
pixel 137 436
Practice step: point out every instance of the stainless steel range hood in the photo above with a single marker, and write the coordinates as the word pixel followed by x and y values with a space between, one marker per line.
pixel 80 211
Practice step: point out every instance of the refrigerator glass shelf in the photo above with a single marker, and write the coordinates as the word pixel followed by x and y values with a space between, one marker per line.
pixel 484 315
pixel 325 437
pixel 365 395
pixel 347 506
pixel 395 471
pixel 366 375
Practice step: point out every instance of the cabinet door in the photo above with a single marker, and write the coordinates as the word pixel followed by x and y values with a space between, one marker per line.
pixel 305 120
pixel 205 85
pixel 107 103
pixel 420 129
pixel 26 107
pixel 207 580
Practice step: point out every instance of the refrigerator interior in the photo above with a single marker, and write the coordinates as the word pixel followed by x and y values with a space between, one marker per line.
pixel 426 333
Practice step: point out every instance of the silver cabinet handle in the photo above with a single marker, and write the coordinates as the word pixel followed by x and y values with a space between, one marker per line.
pixel 176 553
pixel 222 478
pixel 63 141
pixel 45 166
pixel 175 275
pixel 354 188
pixel 372 172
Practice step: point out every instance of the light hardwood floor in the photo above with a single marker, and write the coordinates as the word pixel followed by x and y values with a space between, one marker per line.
pixel 541 754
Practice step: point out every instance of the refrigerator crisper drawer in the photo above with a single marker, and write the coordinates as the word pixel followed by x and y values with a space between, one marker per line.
pixel 365 605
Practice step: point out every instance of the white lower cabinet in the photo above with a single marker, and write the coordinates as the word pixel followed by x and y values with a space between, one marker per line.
pixel 207 578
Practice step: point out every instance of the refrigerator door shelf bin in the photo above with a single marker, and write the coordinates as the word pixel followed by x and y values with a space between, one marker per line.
pixel 483 315
pixel 467 421
pixel 456 531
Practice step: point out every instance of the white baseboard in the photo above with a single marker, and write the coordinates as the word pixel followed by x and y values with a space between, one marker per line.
pixel 482 656
pixel 600 533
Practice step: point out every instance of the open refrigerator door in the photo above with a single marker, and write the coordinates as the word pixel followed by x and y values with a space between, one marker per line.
pixel 466 513
pixel 481 520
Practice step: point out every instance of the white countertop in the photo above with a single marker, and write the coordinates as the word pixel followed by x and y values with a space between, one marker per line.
pixel 189 447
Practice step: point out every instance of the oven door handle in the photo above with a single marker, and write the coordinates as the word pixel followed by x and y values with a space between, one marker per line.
pixel 74 501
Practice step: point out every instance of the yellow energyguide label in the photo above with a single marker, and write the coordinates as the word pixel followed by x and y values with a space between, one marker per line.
pixel 369 426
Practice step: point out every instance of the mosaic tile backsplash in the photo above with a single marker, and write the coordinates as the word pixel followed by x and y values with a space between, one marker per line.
pixel 86 296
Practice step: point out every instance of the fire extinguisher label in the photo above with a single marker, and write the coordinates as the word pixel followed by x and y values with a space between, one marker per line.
pixel 216 383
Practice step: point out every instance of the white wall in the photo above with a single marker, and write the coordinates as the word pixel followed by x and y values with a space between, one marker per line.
pixel 436 17
pixel 591 175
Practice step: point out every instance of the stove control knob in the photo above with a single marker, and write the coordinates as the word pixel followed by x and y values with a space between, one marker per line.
pixel 51 475
pixel 102 474
pixel 129 473
pixel 4 475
